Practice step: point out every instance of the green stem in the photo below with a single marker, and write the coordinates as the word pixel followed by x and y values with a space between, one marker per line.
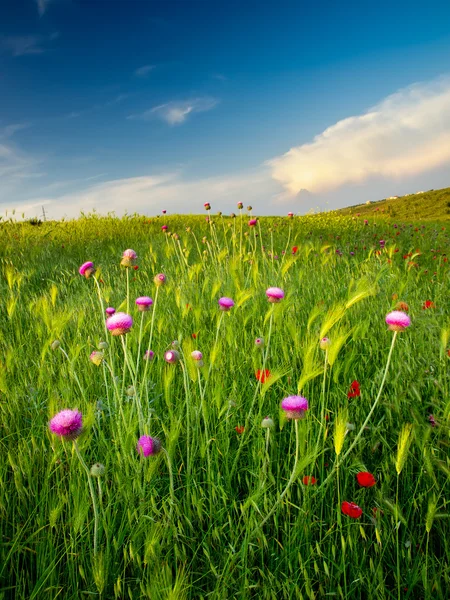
pixel 92 492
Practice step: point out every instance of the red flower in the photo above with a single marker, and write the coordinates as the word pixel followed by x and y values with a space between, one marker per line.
pixel 194 335
pixel 136 267
pixel 309 480
pixel 366 479
pixel 262 376
pixel 294 249
pixel 351 510
pixel 428 304
pixel 354 390
pixel 240 429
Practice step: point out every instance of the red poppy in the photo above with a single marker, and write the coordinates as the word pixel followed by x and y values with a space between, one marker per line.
pixel 240 429
pixel 194 335
pixel 366 479
pixel 309 480
pixel 351 510
pixel 294 249
pixel 354 390
pixel 262 376
pixel 428 304
pixel 136 267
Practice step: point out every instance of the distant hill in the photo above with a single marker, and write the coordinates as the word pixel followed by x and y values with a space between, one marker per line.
pixel 433 205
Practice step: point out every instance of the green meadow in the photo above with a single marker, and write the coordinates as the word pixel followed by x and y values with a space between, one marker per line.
pixel 227 508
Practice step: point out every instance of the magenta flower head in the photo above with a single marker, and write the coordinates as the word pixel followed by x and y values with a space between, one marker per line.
pixel 324 343
pixel 119 324
pixel 207 206
pixel 129 258
pixel 259 342
pixel 68 424
pixel 225 303
pixel 164 211
pixel 143 303
pixel 164 228
pixel 110 311
pixel 398 320
pixel 172 356
pixel 149 355
pixel 197 355
pixel 159 279
pixel 148 446
pixel 87 269
pixel 274 294
pixel 294 407
pixel 290 215
pixel 252 222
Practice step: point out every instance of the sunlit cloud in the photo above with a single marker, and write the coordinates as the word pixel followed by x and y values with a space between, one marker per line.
pixel 406 134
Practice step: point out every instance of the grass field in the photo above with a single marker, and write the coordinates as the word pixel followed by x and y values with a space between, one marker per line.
pixel 227 508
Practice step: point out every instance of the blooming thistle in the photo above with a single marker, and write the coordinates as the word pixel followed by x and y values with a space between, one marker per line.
pixel 397 320
pixel 365 479
pixel 309 480
pixel 294 407
pixel 274 294
pixel 149 355
pixel 119 324
pixel 87 269
pixel 164 228
pixel 159 279
pixel 96 357
pixel 129 258
pixel 144 303
pixel 324 343
pixel 354 391
pixel 262 376
pixel 259 342
pixel 196 355
pixel 68 424
pixel 225 303
pixel 252 222
pixel 172 356
pixel 148 446
pixel 290 215
pixel 351 510
pixel 110 311
pixel 164 211
pixel 207 206
pixel 240 205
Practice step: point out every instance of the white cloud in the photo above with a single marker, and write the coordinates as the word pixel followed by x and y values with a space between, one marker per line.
pixel 176 113
pixel 406 134
pixel 144 71
pixel 10 130
pixel 42 6
pixel 27 44
pixel 150 194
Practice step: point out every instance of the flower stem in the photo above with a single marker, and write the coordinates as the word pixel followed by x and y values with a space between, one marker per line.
pixel 91 489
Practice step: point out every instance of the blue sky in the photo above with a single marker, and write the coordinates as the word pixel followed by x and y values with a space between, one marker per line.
pixel 140 105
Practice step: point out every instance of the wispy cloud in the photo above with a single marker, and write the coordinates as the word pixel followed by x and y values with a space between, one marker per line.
pixel 27 44
pixel 16 167
pixel 144 71
pixel 176 113
pixel 10 130
pixel 42 6
pixel 405 134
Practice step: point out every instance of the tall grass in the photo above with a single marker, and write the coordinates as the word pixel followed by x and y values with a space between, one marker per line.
pixel 226 510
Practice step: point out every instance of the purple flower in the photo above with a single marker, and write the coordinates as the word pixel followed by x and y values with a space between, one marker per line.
pixel 225 303
pixel 274 294
pixel 398 320
pixel 148 446
pixel 143 303
pixel 252 222
pixel 197 355
pixel 110 311
pixel 149 355
pixel 159 279
pixel 294 407
pixel 87 269
pixel 129 258
pixel 119 324
pixel 172 356
pixel 164 228
pixel 67 424
pixel 259 342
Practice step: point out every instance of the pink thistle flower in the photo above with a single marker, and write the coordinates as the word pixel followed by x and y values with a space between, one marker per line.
pixel 294 407
pixel 110 311
pixel 87 269
pixel 143 303
pixel 172 356
pixel 225 303
pixel 148 446
pixel 397 320
pixel 259 342
pixel 164 228
pixel 159 279
pixel 324 343
pixel 197 355
pixel 149 355
pixel 164 211
pixel 129 258
pixel 274 294
pixel 68 424
pixel 119 324
pixel 252 222
pixel 290 215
